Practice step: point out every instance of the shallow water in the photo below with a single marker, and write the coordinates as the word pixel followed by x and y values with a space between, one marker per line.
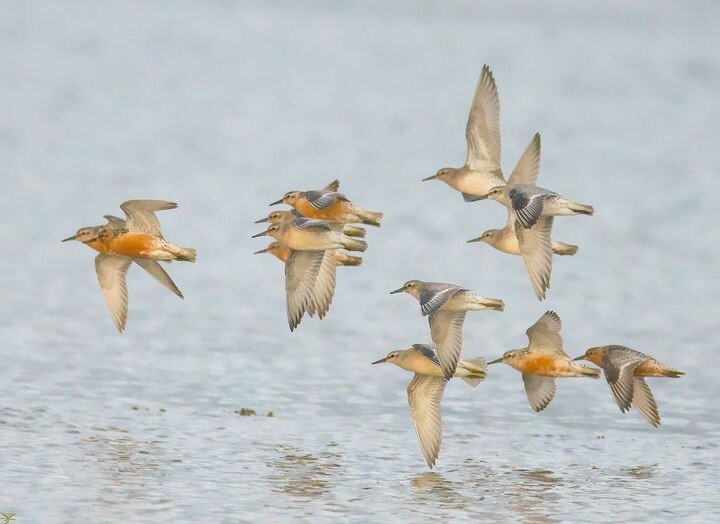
pixel 222 108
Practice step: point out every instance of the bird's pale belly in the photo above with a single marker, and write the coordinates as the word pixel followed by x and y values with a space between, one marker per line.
pixel 509 244
pixel 476 182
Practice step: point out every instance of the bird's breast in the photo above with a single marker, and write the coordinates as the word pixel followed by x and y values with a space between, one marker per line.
pixel 544 365
pixel 134 245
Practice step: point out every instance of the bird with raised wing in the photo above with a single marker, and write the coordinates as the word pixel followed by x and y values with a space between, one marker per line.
pixel 528 201
pixel 137 239
pixel 426 389
pixel 445 305
pixel 482 170
pixel 625 371
pixel 329 205
pixel 281 217
pixel 544 360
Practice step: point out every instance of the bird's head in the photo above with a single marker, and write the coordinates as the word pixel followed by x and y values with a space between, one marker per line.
pixel 411 287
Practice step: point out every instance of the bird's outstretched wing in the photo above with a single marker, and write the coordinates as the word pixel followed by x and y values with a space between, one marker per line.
pixel 141 215
pixel 483 126
pixel 111 271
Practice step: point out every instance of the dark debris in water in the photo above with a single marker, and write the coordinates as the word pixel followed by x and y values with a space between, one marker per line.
pixel 248 412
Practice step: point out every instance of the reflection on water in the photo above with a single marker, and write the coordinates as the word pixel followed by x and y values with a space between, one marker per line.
pixel 431 487
pixel 126 464
pixel 642 472
pixel 304 474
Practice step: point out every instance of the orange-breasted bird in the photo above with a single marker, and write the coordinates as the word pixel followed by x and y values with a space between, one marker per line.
pixel 328 205
pixel 624 370
pixel 543 361
pixel 137 239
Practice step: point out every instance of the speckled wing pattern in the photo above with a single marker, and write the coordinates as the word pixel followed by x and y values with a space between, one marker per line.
pixel 141 215
pixel 619 364
pixel 322 200
pixel 540 390
pixel 527 203
pixel 428 352
pixel 424 395
pixel 483 126
pixel 111 271
pixel 433 295
pixel 536 249
pixel 544 335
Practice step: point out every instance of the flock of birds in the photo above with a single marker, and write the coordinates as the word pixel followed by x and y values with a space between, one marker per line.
pixel 322 226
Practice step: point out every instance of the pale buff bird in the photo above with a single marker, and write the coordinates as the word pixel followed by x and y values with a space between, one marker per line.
pixel 446 306
pixel 426 389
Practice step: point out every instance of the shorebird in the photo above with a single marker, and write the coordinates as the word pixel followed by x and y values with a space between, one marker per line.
pixel 137 239
pixel 544 360
pixel 309 234
pixel 282 252
pixel 328 205
pixel 624 370
pixel 446 305
pixel 426 389
pixel 281 217
pixel 506 240
pixel 528 201
pixel 533 237
pixel 309 279
pixel 482 170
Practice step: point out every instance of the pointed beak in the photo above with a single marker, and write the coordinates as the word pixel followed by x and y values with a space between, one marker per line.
pixel 261 251
pixel 429 178
pixel 478 239
pixel 69 238
pixel 264 233
pixel 276 202
pixel 399 290
pixel 581 357
pixel 498 361
pixel 493 303
pixel 266 219
pixel 380 361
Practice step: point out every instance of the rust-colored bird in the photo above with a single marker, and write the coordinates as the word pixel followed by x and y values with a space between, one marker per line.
pixel 625 370
pixel 137 239
pixel 329 205
pixel 543 361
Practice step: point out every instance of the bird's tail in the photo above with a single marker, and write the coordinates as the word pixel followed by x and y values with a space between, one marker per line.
pixel 473 370
pixel 582 209
pixel 343 259
pixel 488 303
pixel 353 244
pixel 184 254
pixel 560 248
pixel 371 218
pixel 353 231
pixel 667 371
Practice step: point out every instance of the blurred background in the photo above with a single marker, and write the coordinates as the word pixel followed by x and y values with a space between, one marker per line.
pixel 224 106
